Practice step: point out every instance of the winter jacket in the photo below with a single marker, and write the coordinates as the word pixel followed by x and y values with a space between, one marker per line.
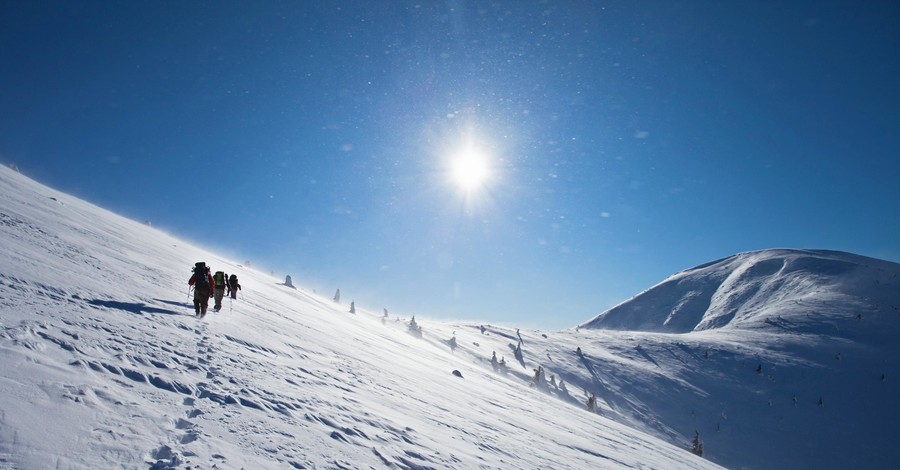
pixel 208 277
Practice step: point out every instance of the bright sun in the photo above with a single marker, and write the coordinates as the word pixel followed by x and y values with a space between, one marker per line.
pixel 469 169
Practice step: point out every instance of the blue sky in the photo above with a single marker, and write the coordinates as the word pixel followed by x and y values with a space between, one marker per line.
pixel 623 141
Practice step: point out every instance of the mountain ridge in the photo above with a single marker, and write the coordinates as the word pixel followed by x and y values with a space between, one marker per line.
pixel 739 287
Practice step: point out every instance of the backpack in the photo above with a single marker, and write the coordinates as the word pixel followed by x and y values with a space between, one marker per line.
pixel 219 279
pixel 232 281
pixel 201 276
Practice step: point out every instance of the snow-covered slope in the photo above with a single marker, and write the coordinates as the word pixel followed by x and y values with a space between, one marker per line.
pixel 780 359
pixel 103 365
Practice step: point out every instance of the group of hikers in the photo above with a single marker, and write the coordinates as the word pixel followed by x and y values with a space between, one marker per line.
pixel 207 285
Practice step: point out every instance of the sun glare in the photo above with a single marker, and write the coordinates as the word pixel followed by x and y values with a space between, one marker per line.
pixel 469 170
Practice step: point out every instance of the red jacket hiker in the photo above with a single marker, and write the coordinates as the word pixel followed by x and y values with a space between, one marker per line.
pixel 194 279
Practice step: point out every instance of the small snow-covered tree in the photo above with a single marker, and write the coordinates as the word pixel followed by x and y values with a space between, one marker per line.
pixel 697 445
pixel 538 380
pixel 414 328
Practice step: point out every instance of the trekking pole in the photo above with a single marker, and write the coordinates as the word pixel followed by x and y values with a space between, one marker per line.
pixel 190 288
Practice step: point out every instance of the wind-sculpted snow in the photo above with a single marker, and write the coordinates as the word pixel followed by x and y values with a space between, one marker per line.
pixel 103 365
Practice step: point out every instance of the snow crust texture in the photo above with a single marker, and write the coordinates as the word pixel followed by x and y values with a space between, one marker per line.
pixel 779 359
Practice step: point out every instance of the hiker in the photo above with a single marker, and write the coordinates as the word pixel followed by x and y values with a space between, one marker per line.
pixel 202 282
pixel 233 286
pixel 219 280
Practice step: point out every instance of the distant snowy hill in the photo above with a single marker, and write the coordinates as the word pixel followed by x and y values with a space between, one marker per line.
pixel 780 359
pixel 759 290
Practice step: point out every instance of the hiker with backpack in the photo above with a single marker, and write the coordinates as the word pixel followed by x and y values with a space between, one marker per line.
pixel 202 282
pixel 219 279
pixel 233 286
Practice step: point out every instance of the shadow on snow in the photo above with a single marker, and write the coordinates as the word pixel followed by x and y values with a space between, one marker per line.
pixel 135 307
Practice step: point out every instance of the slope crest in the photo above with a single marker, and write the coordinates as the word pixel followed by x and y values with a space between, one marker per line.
pixel 750 289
